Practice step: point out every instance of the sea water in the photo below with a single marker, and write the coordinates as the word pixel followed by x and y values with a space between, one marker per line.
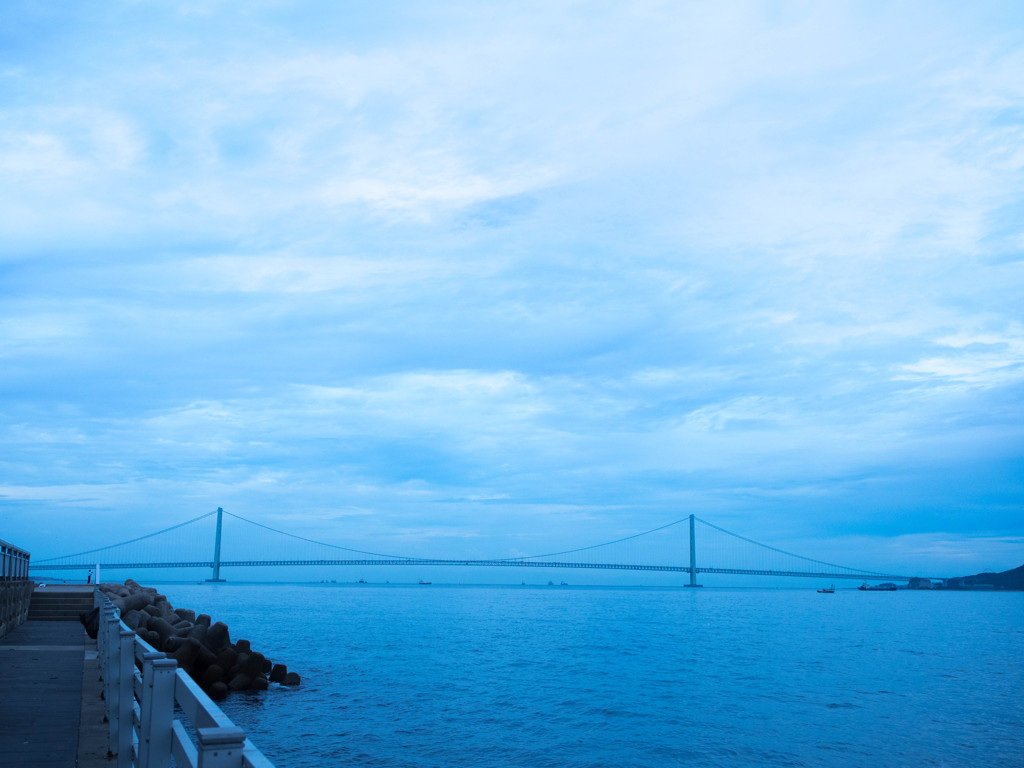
pixel 532 677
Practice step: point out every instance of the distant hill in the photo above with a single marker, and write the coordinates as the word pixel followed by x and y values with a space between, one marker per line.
pixel 1012 579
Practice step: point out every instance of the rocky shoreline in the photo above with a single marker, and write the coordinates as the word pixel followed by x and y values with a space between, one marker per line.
pixel 202 647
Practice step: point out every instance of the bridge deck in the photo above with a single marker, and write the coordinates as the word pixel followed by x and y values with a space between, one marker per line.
pixel 521 563
pixel 45 720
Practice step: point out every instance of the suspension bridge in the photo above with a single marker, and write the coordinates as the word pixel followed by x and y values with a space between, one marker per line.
pixel 668 548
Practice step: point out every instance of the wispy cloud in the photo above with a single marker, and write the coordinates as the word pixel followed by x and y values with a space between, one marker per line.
pixel 980 359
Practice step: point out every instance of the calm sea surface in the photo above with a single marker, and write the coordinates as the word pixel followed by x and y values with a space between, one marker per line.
pixel 531 677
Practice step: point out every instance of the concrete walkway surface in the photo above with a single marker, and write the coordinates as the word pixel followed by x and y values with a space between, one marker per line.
pixel 50 711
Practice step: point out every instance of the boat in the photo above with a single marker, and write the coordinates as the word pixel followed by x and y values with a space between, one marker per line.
pixel 361 581
pixel 564 584
pixel 886 587
pixel 830 589
pixel 424 582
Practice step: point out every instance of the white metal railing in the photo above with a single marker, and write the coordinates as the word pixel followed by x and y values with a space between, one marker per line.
pixel 141 687
pixel 14 562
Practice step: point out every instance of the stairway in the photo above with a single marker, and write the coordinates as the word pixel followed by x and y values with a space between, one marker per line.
pixel 59 603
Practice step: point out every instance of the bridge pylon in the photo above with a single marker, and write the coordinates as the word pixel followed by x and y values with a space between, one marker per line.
pixel 693 555
pixel 216 550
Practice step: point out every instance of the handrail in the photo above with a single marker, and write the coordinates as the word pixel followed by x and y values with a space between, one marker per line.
pixel 142 687
pixel 14 562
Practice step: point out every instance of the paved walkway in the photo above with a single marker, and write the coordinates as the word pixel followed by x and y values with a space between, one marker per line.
pixel 42 668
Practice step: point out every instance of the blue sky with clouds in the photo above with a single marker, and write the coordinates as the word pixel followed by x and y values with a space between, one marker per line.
pixel 505 277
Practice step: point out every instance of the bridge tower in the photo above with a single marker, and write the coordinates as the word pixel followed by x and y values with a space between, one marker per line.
pixel 216 549
pixel 693 556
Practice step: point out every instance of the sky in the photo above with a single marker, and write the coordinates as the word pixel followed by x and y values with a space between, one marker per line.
pixel 482 279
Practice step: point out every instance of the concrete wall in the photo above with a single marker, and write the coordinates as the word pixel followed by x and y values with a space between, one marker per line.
pixel 15 597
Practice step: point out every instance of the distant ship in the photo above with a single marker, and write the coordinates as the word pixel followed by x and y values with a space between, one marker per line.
pixel 830 589
pixel 887 587
pixel 424 582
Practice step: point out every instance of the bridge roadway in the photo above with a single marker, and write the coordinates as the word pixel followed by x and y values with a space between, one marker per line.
pixel 482 563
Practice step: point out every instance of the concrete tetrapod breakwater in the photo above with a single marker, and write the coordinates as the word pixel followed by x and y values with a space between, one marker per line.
pixel 201 647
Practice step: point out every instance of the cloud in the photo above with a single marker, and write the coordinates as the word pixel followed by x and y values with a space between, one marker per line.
pixel 424 184
pixel 299 273
pixel 982 359
pixel 31 333
pixel 508 271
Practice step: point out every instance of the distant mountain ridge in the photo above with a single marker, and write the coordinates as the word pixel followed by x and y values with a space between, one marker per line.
pixel 1012 579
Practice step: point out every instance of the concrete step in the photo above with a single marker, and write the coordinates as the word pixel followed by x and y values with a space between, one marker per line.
pixel 57 600
pixel 59 605
pixel 38 599
pixel 76 607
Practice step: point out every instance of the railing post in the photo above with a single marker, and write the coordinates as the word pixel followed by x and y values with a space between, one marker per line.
pixel 101 640
pixel 111 682
pixel 220 747
pixel 125 696
pixel 156 710
pixel 108 630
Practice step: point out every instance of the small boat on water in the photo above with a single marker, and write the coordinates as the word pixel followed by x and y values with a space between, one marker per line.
pixel 424 582
pixel 886 587
pixel 828 590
